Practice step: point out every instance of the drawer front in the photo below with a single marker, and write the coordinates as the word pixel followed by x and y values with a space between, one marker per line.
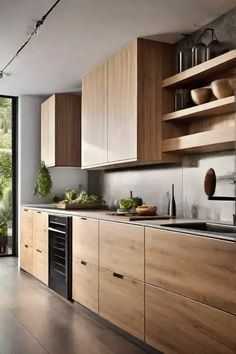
pixel 197 267
pixel 40 231
pixel 175 324
pixel 26 258
pixel 85 239
pixel 121 301
pixel 26 227
pixel 40 266
pixel 85 284
pixel 121 249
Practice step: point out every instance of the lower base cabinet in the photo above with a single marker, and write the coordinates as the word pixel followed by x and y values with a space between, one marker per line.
pixel 175 324
pixel 85 284
pixel 26 258
pixel 121 301
pixel 40 265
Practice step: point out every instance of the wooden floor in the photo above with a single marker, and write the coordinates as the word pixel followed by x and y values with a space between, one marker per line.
pixel 34 320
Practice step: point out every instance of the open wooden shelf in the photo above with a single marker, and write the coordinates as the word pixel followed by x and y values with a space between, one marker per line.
pixel 214 140
pixel 198 72
pixel 221 106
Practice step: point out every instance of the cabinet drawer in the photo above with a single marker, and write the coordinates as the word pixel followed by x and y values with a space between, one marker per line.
pixel 85 239
pixel 85 284
pixel 26 227
pixel 175 324
pixel 26 258
pixel 40 266
pixel 121 301
pixel 40 231
pixel 197 267
pixel 121 248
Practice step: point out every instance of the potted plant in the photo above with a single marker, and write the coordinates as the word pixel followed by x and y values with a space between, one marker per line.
pixel 3 236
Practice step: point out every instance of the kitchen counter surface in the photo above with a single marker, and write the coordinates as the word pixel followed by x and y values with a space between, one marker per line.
pixel 106 215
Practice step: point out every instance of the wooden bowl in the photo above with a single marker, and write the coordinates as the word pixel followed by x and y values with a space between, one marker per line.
pixel 148 211
pixel 201 95
pixel 222 88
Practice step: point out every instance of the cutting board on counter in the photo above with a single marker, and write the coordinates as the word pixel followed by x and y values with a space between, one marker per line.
pixel 132 217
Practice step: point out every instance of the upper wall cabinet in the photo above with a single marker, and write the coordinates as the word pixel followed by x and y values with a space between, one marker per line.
pixel 94 118
pixel 61 130
pixel 122 104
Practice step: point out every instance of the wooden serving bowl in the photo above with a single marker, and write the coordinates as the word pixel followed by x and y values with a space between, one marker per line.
pixel 201 95
pixel 222 88
pixel 148 211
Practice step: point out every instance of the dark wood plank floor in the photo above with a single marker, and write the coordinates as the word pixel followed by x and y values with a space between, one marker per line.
pixel 34 320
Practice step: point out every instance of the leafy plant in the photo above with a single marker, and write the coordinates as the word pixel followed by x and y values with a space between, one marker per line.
pixel 43 183
pixel 73 196
pixel 127 203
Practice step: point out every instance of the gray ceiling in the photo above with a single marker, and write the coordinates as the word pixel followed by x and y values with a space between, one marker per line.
pixel 80 34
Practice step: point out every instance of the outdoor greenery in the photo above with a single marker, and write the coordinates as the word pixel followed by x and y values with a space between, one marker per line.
pixel 5 164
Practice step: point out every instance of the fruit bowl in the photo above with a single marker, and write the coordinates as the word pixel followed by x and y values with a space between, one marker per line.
pixel 146 210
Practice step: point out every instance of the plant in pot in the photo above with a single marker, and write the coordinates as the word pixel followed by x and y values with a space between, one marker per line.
pixel 43 183
pixel 3 235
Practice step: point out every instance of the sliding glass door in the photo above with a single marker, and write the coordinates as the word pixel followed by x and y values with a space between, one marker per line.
pixel 8 175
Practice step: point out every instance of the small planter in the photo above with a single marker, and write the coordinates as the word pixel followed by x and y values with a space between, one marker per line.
pixel 3 244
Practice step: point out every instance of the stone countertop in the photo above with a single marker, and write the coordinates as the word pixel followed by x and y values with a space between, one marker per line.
pixel 106 215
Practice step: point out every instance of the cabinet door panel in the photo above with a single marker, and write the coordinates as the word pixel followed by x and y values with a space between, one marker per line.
pixel 26 258
pixel 121 301
pixel 94 118
pixel 175 324
pixel 198 267
pixel 85 239
pixel 48 131
pixel 85 284
pixel 122 104
pixel 40 266
pixel 26 227
pixel 121 248
pixel 40 231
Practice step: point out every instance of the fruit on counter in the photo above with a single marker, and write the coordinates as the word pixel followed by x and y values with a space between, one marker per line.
pixel 127 203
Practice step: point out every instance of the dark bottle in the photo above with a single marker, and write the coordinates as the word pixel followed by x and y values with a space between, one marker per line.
pixel 172 205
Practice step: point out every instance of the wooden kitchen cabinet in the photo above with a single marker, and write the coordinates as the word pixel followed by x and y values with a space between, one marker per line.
pixel 122 120
pixel 197 267
pixel 40 265
pixel 40 231
pixel 85 284
pixel 94 117
pixel 175 324
pixel 26 227
pixel 121 301
pixel 26 258
pixel 85 239
pixel 121 248
pixel 61 130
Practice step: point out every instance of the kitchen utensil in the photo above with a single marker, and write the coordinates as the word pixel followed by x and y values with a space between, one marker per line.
pixel 210 182
pixel 172 204
pixel 149 210
pixel 182 99
pixel 201 95
pixel 222 88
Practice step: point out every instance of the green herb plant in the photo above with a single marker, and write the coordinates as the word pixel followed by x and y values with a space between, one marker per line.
pixel 43 183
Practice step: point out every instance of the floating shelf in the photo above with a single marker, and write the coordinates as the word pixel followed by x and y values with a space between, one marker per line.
pixel 214 140
pixel 224 105
pixel 198 72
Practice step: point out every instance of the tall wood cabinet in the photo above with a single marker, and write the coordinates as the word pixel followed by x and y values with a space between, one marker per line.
pixel 127 101
pixel 61 130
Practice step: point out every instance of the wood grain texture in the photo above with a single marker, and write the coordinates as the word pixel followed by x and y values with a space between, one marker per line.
pixel 198 72
pixel 198 267
pixel 121 248
pixel 85 284
pixel 26 258
pixel 121 301
pixel 40 265
pixel 175 324
pixel 26 227
pixel 48 131
pixel 85 239
pixel 94 117
pixel 122 104
pixel 68 130
pixel 40 231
